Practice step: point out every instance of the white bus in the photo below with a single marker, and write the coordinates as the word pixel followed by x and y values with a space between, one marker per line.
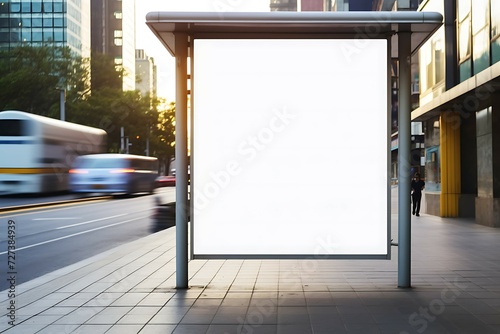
pixel 37 152
pixel 114 173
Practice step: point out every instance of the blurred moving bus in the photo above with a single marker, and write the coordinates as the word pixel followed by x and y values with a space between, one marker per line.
pixel 36 152
pixel 114 173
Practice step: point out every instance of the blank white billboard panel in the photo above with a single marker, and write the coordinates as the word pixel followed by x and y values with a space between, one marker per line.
pixel 290 148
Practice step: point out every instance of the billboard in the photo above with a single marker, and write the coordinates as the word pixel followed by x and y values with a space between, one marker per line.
pixel 290 148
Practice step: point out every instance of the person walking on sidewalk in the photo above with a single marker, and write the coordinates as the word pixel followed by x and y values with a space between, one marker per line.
pixel 417 185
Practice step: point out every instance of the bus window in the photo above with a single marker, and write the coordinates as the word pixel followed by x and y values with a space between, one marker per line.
pixel 12 127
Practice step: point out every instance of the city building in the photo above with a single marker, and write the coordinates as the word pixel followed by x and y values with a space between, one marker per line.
pixel 146 75
pixel 400 5
pixel 349 5
pixel 61 22
pixel 113 34
pixel 460 111
pixel 321 5
pixel 311 5
pixel 370 5
pixel 283 5
pixel 344 5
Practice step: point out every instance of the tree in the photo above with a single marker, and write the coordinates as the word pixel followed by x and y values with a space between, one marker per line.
pixel 105 74
pixel 31 78
pixel 108 107
pixel 163 134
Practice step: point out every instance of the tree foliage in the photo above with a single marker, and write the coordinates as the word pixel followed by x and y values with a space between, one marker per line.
pixel 104 72
pixel 163 133
pixel 31 79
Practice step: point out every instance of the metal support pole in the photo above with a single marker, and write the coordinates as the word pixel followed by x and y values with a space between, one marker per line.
pixel 148 131
pixel 122 140
pixel 404 134
pixel 181 173
pixel 62 101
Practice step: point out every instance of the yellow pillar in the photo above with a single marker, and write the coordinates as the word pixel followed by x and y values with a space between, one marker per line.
pixel 450 163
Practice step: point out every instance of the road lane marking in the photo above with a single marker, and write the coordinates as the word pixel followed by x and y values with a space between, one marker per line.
pixel 90 221
pixel 74 234
pixel 55 218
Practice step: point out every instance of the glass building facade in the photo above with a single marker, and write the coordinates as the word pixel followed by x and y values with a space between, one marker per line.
pixel 432 60
pixel 459 67
pixel 113 34
pixel 283 5
pixel 478 26
pixel 38 22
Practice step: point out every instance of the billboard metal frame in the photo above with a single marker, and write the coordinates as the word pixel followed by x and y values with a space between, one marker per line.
pixel 195 212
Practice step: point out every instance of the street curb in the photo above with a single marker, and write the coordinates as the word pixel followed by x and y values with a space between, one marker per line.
pixel 39 205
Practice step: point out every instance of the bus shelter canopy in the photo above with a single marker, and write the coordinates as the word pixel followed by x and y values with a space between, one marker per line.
pixel 283 25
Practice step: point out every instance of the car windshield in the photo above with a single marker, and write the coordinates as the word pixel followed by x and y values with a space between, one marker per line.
pixel 100 163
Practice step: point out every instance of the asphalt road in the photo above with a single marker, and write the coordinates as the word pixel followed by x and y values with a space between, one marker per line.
pixel 53 237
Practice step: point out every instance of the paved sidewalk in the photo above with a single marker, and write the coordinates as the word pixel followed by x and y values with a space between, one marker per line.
pixel 130 289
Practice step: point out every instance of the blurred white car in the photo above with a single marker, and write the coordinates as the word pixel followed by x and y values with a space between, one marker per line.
pixel 113 173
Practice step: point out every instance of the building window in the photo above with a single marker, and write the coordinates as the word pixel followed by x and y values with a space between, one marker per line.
pixel 4 7
pixel 432 169
pixel 36 22
pixel 48 36
pixel 58 35
pixel 47 22
pixel 118 15
pixel 118 34
pixel 36 35
pixel 439 57
pixel 4 37
pixel 15 7
pixel 36 7
pixel 432 63
pixel 58 7
pixel 480 35
pixel 26 35
pixel 58 22
pixel 26 22
pixel 26 7
pixel 47 7
pixel 432 155
pixel 495 18
pixel 15 36
pixel 464 39
pixel 432 59
pixel 495 31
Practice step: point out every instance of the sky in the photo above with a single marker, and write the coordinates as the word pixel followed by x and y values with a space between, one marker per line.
pixel 146 40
